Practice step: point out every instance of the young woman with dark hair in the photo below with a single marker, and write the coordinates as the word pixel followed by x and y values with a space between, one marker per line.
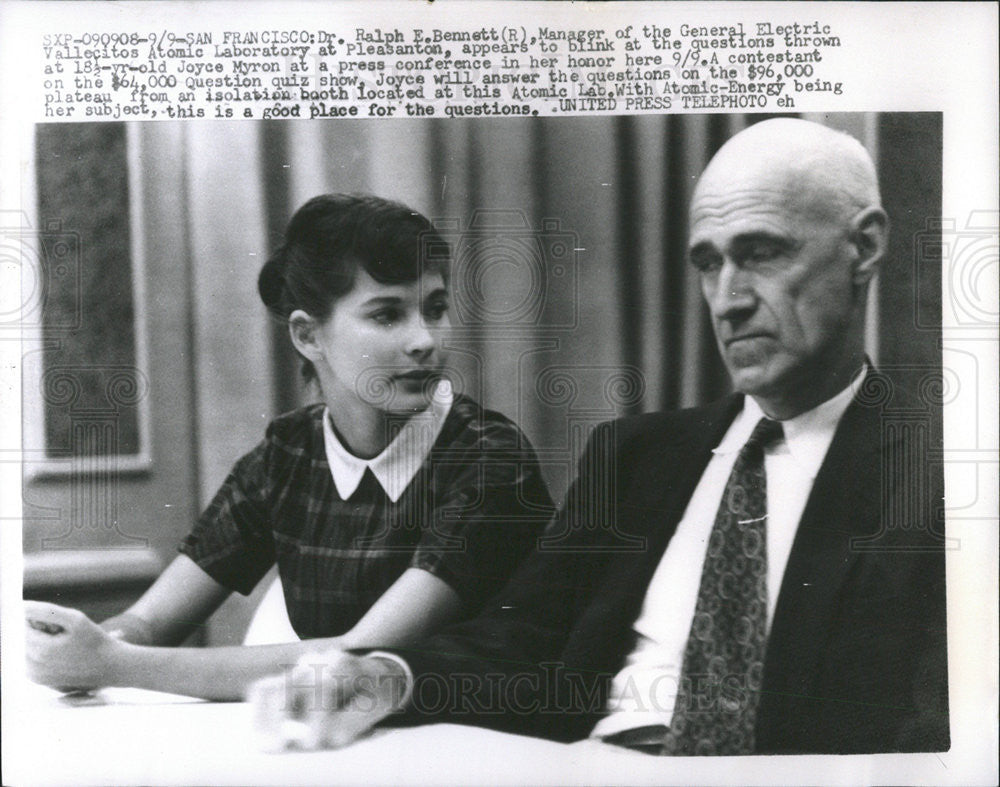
pixel 392 507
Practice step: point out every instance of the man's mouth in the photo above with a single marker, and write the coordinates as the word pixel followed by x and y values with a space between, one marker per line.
pixel 743 337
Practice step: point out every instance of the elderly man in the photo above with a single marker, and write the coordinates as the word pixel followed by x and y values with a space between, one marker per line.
pixel 790 595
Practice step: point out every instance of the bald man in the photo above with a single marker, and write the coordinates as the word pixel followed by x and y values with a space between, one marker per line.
pixel 789 597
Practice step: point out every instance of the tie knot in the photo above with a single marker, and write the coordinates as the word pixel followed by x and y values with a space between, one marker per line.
pixel 766 432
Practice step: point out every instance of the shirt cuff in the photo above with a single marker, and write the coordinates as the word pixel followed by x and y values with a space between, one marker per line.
pixel 408 673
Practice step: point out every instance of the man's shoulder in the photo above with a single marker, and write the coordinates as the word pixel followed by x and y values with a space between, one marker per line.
pixel 887 409
pixel 665 427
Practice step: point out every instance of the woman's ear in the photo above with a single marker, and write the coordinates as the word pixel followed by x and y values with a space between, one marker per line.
pixel 870 233
pixel 302 328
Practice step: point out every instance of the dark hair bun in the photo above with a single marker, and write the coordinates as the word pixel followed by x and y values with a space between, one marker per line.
pixel 271 282
pixel 332 237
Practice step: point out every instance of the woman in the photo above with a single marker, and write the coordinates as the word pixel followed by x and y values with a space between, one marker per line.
pixel 391 508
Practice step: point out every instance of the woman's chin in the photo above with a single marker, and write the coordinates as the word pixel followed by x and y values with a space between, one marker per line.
pixel 406 401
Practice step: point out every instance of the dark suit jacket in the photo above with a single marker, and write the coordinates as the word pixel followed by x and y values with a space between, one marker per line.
pixel 856 658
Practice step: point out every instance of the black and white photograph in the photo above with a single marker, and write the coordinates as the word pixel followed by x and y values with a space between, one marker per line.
pixel 610 439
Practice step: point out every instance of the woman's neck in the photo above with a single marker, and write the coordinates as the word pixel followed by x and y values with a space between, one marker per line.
pixel 362 430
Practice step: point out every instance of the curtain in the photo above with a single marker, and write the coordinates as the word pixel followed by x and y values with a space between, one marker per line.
pixel 572 299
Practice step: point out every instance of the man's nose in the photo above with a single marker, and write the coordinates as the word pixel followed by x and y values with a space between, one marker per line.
pixel 733 294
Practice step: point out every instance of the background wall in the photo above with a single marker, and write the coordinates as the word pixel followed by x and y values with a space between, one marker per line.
pixel 572 299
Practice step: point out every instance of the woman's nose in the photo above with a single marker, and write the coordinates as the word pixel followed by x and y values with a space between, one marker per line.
pixel 420 340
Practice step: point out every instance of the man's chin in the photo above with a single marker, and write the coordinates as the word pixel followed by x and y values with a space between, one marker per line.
pixel 754 380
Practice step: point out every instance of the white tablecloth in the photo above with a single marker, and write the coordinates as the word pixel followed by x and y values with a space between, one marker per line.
pixel 128 736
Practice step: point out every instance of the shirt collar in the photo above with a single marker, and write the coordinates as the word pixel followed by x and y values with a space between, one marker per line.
pixel 399 462
pixel 807 436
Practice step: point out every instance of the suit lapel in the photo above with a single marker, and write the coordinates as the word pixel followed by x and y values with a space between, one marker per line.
pixel 664 477
pixel 844 503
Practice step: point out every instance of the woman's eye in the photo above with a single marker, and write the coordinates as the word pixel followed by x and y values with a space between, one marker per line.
pixel 436 311
pixel 386 316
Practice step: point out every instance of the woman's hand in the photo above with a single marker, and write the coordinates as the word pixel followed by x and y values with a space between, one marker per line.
pixel 326 700
pixel 67 650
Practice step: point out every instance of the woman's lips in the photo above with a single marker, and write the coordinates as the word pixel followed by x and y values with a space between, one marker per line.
pixel 418 376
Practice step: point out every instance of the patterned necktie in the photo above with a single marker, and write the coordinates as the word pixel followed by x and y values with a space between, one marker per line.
pixel 716 704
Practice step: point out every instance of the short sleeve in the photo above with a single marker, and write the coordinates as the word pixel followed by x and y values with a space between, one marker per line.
pixel 490 505
pixel 232 539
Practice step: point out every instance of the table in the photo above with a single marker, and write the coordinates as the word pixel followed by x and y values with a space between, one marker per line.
pixel 129 736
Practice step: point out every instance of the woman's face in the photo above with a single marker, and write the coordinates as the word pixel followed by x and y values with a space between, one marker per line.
pixel 381 346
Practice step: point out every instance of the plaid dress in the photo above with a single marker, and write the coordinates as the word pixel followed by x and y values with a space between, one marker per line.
pixel 471 512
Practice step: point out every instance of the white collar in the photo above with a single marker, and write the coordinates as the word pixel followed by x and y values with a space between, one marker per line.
pixel 807 436
pixel 399 462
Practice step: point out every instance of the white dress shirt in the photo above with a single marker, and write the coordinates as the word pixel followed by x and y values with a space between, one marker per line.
pixel 399 461
pixel 644 691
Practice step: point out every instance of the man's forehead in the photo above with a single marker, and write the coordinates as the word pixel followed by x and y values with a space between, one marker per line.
pixel 720 200
pixel 777 199
pixel 739 208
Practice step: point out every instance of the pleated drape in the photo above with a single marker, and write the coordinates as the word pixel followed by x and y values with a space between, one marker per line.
pixel 612 324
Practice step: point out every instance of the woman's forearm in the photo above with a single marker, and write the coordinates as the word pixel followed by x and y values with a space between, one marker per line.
pixel 131 628
pixel 416 605
pixel 222 674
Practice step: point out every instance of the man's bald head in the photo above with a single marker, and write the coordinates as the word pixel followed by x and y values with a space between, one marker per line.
pixel 786 233
pixel 819 169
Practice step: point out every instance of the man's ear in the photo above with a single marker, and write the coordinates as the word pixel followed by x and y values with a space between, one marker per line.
pixel 870 235
pixel 302 328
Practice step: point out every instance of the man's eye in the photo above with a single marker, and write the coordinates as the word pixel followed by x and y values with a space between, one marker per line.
pixel 706 263
pixel 761 252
